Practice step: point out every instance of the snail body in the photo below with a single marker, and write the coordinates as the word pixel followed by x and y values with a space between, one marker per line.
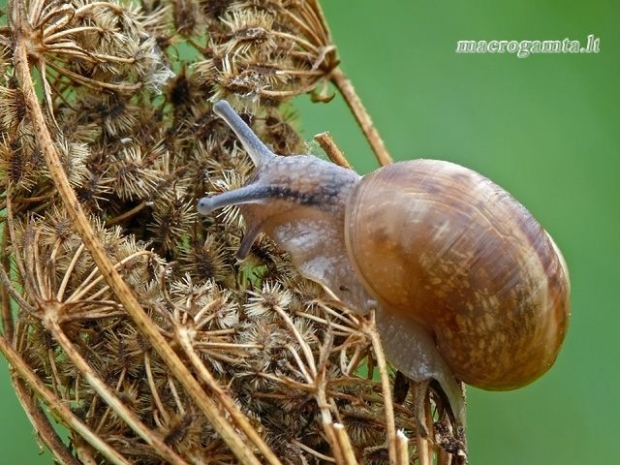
pixel 465 282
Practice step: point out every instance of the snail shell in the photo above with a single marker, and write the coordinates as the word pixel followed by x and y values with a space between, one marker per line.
pixel 445 246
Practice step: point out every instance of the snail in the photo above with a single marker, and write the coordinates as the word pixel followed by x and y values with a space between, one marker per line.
pixel 464 281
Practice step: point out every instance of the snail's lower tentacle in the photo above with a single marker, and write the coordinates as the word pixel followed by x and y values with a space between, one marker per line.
pixel 251 193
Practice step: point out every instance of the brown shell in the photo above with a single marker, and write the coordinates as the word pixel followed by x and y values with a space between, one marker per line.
pixel 445 246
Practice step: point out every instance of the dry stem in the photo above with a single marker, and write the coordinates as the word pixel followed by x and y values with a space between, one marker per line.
pixel 327 143
pixel 345 87
pixel 387 392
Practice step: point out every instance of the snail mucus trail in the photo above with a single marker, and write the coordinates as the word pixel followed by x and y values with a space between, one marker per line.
pixel 465 282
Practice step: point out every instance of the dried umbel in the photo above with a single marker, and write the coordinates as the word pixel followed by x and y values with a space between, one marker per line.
pixel 126 317
pixel 269 51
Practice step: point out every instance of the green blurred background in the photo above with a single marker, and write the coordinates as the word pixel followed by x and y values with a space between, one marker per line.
pixel 547 129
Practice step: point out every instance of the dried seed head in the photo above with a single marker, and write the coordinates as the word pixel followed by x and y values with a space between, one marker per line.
pixel 205 260
pixel 263 303
pixel 267 52
pixel 271 342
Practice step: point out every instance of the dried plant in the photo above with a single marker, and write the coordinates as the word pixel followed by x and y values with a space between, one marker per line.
pixel 126 318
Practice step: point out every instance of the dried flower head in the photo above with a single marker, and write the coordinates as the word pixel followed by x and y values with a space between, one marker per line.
pixel 266 52
pixel 125 316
